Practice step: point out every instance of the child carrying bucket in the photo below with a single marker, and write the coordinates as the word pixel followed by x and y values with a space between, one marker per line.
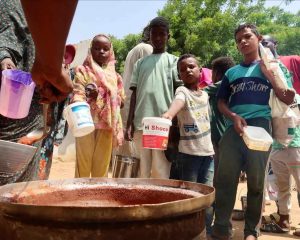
pixel 98 84
pixel 153 81
pixel 191 106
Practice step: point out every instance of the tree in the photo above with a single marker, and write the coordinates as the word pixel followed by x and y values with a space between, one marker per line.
pixel 205 27
pixel 122 47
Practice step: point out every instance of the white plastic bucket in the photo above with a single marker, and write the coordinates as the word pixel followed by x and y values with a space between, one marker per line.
pixel 257 138
pixel 156 132
pixel 79 118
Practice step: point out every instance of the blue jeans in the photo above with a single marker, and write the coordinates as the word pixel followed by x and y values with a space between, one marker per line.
pixel 198 169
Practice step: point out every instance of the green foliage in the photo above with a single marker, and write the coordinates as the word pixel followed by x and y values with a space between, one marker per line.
pixel 122 47
pixel 288 41
pixel 205 28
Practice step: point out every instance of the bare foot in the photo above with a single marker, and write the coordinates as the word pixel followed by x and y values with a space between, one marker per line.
pixel 268 202
pixel 250 237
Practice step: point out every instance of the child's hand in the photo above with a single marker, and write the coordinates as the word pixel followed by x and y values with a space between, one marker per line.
pixel 239 123
pixel 167 116
pixel 91 91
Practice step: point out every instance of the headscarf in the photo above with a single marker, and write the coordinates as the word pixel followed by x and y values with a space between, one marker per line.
pixel 205 78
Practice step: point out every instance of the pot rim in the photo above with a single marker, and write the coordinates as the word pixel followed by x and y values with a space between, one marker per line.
pixel 104 214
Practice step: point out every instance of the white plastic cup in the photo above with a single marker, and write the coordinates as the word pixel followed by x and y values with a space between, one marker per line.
pixel 79 118
pixel 156 132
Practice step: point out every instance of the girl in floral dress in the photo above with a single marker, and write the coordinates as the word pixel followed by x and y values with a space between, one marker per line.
pixel 98 84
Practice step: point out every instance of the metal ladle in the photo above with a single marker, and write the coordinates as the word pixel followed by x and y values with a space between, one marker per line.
pixel 41 133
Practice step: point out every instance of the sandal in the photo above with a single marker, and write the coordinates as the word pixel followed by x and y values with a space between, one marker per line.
pixel 273 228
pixel 266 219
pixel 283 221
pixel 275 217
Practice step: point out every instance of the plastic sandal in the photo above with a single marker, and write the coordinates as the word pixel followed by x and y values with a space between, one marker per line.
pixel 281 220
pixel 266 219
pixel 267 227
pixel 275 217
pixel 273 228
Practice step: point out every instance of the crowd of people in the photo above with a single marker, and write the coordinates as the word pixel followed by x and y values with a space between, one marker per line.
pixel 156 83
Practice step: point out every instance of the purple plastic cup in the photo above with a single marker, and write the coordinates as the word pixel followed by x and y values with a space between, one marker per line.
pixel 16 93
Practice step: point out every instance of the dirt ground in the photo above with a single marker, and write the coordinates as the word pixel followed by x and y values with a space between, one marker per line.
pixel 295 214
pixel 64 164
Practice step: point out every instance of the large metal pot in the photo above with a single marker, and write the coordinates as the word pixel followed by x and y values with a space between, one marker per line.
pixel 101 208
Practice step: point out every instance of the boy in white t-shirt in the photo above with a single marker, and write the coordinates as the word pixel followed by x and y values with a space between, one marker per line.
pixel 191 106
